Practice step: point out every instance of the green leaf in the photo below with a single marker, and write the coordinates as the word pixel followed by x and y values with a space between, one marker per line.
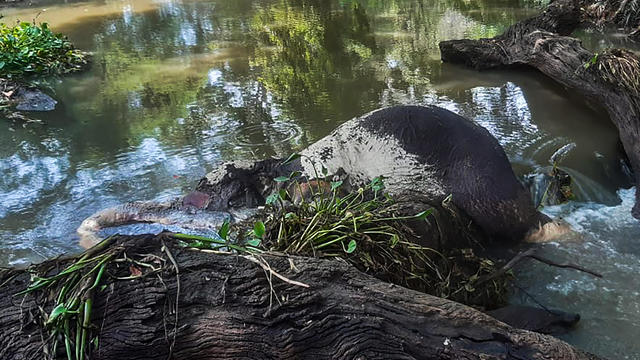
pixel 254 242
pixel 283 194
pixel 352 247
pixel 377 184
pixel 281 179
pixel 272 199
pixel 224 230
pixel 2 63
pixel 423 215
pixel 335 185
pixel 291 158
pixel 198 238
pixel 259 229
pixel 198 245
pixel 59 310
pixel 295 174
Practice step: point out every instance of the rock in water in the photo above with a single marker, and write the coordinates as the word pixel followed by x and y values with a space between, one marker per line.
pixel 34 100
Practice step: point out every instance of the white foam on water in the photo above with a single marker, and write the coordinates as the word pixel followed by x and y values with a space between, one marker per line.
pixel 608 242
pixel 600 220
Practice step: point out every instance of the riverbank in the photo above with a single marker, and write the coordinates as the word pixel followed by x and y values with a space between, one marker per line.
pixel 30 52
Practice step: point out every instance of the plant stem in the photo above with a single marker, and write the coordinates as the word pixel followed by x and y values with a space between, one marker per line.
pixel 85 326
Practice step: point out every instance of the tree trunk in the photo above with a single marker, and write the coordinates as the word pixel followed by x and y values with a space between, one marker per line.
pixel 541 42
pixel 228 306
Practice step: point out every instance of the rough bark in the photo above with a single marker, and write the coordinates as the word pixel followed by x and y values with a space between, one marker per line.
pixel 541 42
pixel 227 308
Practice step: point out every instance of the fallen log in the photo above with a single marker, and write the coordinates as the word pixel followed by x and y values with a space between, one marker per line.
pixel 154 299
pixel 610 78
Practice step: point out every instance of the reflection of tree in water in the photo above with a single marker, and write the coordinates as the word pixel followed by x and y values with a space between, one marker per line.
pixel 313 55
pixel 331 61
pixel 240 117
pixel 311 63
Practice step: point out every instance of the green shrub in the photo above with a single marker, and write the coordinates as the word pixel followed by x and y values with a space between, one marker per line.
pixel 30 49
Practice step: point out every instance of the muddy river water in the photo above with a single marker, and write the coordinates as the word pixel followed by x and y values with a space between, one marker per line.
pixel 176 87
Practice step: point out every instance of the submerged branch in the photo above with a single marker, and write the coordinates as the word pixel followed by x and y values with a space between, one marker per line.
pixel 531 253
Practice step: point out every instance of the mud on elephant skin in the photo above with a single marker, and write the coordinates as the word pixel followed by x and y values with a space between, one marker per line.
pixel 427 155
pixel 243 184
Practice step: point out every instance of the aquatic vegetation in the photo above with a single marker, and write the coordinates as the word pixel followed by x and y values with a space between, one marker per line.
pixel 321 219
pixel 30 49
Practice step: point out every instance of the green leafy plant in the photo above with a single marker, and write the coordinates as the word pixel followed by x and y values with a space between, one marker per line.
pixel 30 49
pixel 322 218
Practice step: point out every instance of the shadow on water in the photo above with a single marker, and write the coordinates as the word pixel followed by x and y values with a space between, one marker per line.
pixel 176 87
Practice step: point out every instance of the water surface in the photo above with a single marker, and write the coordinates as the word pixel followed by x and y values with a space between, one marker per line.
pixel 177 87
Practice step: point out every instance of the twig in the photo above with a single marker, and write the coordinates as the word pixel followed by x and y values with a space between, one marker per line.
pixel 269 276
pixel 566 265
pixel 531 253
pixel 9 279
pixel 292 265
pixel 526 293
pixel 269 269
